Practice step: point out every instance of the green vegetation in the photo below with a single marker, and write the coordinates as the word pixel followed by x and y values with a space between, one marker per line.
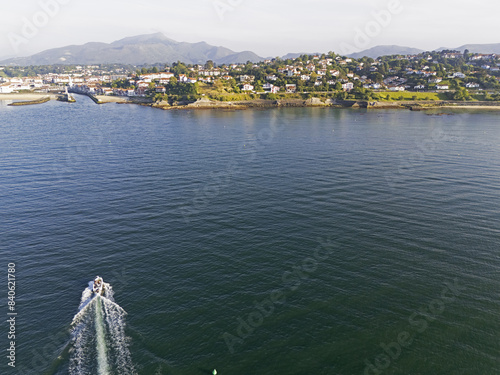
pixel 329 76
pixel 406 95
pixel 35 70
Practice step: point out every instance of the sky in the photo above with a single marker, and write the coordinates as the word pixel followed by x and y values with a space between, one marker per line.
pixel 266 27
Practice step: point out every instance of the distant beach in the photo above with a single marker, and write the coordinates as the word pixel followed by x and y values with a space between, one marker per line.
pixel 27 96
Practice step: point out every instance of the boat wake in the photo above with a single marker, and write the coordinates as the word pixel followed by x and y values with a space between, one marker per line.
pixel 100 345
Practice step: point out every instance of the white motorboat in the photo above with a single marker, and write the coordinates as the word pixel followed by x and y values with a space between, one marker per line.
pixel 98 287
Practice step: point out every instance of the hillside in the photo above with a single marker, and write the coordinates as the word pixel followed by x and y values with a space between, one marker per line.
pixel 386 50
pixel 476 48
pixel 138 50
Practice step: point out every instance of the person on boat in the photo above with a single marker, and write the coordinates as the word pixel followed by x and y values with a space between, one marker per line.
pixel 97 283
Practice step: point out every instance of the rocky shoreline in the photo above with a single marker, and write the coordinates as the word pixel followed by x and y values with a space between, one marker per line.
pixel 205 103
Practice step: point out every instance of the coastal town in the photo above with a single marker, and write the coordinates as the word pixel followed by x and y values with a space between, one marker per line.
pixel 449 75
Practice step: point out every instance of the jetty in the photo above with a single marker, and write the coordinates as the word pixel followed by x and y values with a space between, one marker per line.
pixel 45 99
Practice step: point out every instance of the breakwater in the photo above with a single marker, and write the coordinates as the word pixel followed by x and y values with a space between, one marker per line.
pixel 45 99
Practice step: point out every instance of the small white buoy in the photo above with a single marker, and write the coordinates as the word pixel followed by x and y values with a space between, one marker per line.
pixel 214 372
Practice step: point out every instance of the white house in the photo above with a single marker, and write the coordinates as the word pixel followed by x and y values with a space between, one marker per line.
pixel 269 87
pixel 375 86
pixel 291 88
pixel 452 55
pixel 246 78
pixel 480 56
pixel 6 88
pixel 472 85
pixel 396 88
pixel 152 76
pixel 348 86
pixel 60 79
pixel 442 87
pixel 247 87
pixel 435 80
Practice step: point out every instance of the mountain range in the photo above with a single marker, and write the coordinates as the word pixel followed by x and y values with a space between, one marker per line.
pixel 386 50
pixel 137 50
pixel 477 48
pixel 157 48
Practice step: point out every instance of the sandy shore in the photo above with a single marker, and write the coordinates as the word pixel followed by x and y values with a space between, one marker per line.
pixel 27 96
pixel 112 99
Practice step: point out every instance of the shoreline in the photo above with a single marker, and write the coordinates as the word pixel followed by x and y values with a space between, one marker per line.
pixel 496 106
pixel 28 96
pixel 329 103
pixel 205 103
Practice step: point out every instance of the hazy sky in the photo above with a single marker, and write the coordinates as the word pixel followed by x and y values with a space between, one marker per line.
pixel 268 28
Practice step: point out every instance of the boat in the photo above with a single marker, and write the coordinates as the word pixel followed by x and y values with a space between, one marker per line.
pixel 98 287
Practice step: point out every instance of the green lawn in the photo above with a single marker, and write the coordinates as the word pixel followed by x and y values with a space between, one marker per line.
pixel 406 95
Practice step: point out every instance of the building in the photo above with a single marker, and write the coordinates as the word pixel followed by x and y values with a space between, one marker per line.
pixel 435 80
pixel 269 87
pixel 246 78
pixel 396 88
pixel 153 76
pixel 291 88
pixel 6 88
pixel 247 87
pixel 472 85
pixel 348 86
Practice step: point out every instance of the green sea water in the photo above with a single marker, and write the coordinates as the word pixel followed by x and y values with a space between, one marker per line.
pixel 294 241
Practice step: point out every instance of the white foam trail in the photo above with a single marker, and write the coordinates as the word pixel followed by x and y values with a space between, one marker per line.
pixel 100 345
pixel 102 358
pixel 115 317
pixel 83 333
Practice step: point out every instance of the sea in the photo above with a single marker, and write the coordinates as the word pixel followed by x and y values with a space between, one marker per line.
pixel 260 241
